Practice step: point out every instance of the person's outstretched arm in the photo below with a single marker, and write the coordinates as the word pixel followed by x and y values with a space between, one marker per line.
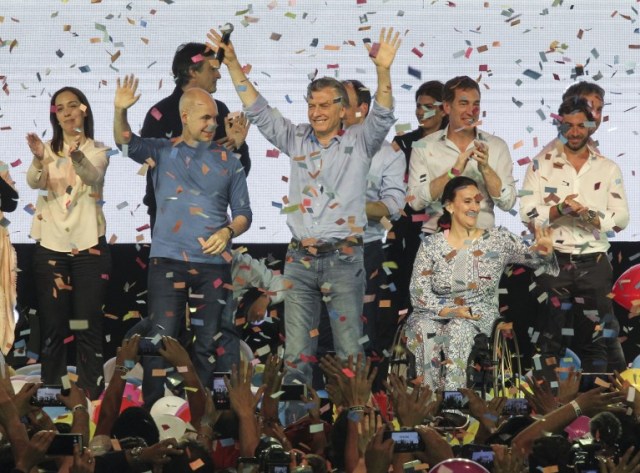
pixel 125 98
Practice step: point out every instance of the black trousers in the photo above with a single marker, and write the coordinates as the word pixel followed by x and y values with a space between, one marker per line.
pixel 577 302
pixel 72 287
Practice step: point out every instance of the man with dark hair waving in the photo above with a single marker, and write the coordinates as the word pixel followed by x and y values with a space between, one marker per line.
pixel 326 213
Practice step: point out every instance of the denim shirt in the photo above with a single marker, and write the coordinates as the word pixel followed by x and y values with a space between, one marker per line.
pixel 327 185
pixel 194 187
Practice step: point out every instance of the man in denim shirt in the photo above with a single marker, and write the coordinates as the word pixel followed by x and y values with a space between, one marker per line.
pixel 327 195
pixel 195 181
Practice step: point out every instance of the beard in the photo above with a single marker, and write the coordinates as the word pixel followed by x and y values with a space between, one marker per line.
pixel 579 146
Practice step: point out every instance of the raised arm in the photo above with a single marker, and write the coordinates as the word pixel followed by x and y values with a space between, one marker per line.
pixel 382 55
pixel 125 98
pixel 244 88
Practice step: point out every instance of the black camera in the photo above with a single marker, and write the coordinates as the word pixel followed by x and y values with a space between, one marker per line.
pixel 584 454
pixel 272 457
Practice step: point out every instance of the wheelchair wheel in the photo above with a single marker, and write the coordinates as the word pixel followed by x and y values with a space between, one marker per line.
pixel 401 361
pixel 506 360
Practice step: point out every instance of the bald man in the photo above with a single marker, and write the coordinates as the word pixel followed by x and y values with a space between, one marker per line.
pixel 195 181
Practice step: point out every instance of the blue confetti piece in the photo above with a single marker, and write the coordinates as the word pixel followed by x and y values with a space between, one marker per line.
pixel 277 205
pixel 288 99
pixel 84 69
pixel 33 355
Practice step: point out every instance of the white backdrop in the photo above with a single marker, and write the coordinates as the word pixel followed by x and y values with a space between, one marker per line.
pixel 47 44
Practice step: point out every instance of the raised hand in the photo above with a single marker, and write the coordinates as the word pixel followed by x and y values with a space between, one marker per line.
pixel 411 408
pixel 215 42
pixel 174 352
pixel 543 244
pixel 126 92
pixel 36 449
pixel 236 127
pixel 383 54
pixel 36 145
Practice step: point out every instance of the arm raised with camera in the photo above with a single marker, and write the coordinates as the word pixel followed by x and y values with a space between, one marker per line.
pixel 126 358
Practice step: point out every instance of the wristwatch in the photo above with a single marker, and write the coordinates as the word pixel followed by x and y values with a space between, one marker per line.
pixel 589 216
pixel 232 232
pixel 135 454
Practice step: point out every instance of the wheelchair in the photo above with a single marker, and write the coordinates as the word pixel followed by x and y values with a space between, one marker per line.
pixel 494 366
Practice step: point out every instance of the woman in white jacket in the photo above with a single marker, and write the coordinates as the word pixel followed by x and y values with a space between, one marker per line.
pixel 72 261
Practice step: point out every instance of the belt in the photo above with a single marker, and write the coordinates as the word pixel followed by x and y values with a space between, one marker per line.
pixel 327 247
pixel 581 257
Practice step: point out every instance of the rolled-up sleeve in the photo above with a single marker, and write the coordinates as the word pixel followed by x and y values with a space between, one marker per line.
pixel 532 206
pixel 393 189
pixel 419 194
pixel 504 170
pixel 616 215
pixel 376 126
pixel 92 168
pixel 239 195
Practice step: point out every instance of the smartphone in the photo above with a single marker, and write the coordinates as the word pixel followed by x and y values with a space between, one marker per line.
pixel 278 469
pixel 293 392
pixel 46 396
pixel 63 444
pixel 516 407
pixel 483 456
pixel 588 380
pixel 219 391
pixel 454 400
pixel 147 347
pixel 405 440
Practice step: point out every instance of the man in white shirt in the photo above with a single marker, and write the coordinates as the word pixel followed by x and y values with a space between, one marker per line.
pixel 461 149
pixel 581 194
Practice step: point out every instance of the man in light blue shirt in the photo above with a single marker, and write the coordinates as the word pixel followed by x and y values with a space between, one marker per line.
pixel 195 181
pixel 326 210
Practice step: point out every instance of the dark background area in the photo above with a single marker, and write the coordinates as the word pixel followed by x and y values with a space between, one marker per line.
pixel 128 286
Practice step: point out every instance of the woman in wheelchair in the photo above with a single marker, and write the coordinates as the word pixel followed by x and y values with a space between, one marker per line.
pixel 454 287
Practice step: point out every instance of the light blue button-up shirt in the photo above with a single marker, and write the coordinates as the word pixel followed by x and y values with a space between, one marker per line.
pixel 385 183
pixel 327 186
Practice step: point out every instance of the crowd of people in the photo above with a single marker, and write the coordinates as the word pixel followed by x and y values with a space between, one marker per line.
pixel 426 201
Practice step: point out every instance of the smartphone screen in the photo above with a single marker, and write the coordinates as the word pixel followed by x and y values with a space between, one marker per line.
pixel 46 396
pixel 293 392
pixel 405 440
pixel 484 457
pixel 454 400
pixel 516 407
pixel 219 392
pixel 63 444
pixel 147 347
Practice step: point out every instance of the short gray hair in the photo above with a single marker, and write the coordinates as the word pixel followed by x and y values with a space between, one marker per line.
pixel 329 82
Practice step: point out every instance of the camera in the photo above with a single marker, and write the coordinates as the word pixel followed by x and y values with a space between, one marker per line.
pixel 584 453
pixel 272 457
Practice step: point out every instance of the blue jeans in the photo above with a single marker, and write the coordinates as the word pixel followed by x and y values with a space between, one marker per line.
pixel 174 284
pixel 337 277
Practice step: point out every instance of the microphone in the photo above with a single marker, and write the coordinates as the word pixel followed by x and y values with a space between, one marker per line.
pixel 226 34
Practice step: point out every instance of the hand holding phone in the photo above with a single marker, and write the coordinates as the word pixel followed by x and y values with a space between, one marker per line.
pixel 219 392
pixel 47 396
pixel 404 440
pixel 63 444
